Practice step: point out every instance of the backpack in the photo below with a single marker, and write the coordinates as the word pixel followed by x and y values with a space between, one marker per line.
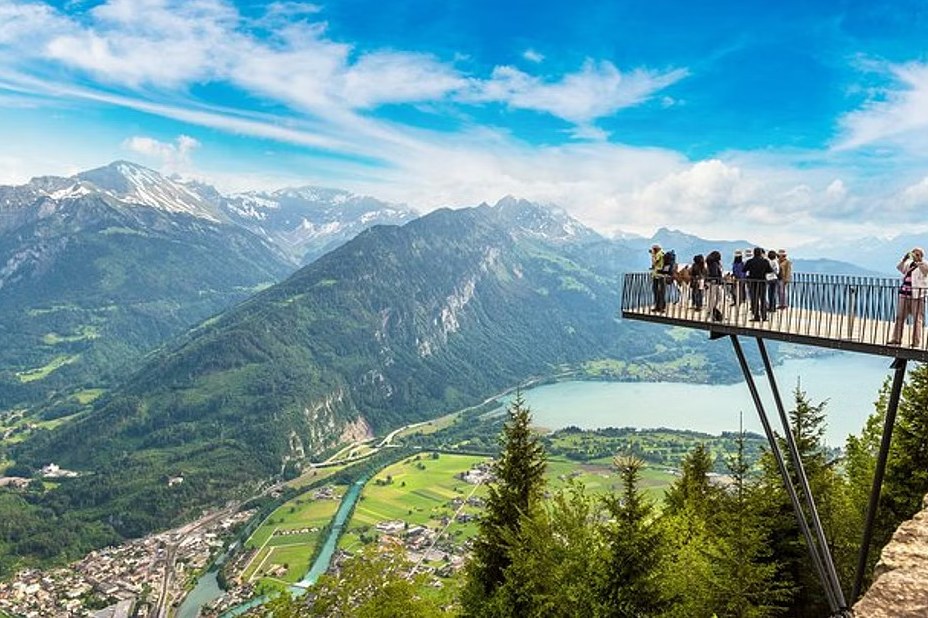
pixel 670 262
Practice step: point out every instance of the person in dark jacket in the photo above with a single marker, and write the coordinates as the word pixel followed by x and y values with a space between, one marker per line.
pixel 738 287
pixel 698 280
pixel 756 270
pixel 714 298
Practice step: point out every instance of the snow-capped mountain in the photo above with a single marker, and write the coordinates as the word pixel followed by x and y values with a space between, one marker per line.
pixel 307 222
pixel 136 185
pixel 543 222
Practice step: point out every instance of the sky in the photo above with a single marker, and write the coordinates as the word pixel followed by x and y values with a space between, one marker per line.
pixel 789 122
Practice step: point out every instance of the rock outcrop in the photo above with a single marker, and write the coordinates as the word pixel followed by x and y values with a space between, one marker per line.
pixel 900 585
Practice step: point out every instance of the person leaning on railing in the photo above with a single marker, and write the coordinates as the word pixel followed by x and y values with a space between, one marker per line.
pixel 912 293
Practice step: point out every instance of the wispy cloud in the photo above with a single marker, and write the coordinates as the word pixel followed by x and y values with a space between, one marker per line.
pixel 894 115
pixel 533 56
pixel 599 89
pixel 171 44
pixel 173 157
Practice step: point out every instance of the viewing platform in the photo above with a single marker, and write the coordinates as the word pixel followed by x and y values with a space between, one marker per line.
pixel 832 311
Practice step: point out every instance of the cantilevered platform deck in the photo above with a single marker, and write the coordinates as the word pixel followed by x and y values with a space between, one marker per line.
pixel 832 311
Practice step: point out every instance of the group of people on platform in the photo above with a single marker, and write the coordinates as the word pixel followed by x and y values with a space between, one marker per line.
pixel 762 280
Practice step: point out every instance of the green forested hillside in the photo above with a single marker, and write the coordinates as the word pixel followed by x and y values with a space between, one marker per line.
pixel 89 288
pixel 396 326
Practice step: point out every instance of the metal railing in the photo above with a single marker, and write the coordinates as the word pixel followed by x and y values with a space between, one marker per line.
pixel 859 310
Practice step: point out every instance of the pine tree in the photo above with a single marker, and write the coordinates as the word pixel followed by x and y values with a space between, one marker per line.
pixel 743 580
pixel 518 488
pixel 692 489
pixel 556 560
pixel 907 466
pixel 630 585
pixel 807 423
pixel 691 506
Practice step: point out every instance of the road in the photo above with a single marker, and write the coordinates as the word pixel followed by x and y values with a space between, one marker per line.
pixel 161 608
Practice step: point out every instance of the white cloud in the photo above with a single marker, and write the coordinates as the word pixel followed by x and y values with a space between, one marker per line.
pixel 533 56
pixel 162 43
pixel 916 196
pixel 896 116
pixel 599 89
pixel 697 193
pixel 173 157
pixel 24 22
pixel 836 191
pixel 171 44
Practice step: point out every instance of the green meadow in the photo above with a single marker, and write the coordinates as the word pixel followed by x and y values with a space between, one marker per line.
pixel 418 491
pixel 287 539
pixel 313 475
pixel 31 375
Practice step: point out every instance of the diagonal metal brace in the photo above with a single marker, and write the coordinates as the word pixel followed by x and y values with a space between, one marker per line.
pixel 830 571
pixel 817 560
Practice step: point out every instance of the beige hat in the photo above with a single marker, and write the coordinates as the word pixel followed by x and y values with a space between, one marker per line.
pixel 781 252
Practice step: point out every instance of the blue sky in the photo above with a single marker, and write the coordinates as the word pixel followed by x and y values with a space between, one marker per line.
pixel 788 121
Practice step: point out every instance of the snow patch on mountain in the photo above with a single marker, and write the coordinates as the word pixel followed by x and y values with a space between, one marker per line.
pixel 136 185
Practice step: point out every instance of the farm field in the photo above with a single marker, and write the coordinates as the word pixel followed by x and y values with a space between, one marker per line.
pixel 287 539
pixel 417 491
pixel 599 477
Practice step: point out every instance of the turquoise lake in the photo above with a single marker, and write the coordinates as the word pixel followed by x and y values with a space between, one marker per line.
pixel 850 382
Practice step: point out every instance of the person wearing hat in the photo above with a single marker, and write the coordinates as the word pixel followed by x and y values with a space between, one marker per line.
pixel 785 276
pixel 658 283
pixel 912 294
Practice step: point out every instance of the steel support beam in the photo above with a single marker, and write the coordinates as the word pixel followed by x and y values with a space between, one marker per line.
pixel 827 562
pixel 899 365
pixel 817 560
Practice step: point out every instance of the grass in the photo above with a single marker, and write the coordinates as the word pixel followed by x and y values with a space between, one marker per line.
pixel 27 425
pixel 87 395
pixel 288 555
pixel 39 373
pixel 430 427
pixel 417 491
pixel 313 475
pixel 599 477
pixel 84 333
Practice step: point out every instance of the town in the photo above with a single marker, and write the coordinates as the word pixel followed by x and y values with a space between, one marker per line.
pixel 139 578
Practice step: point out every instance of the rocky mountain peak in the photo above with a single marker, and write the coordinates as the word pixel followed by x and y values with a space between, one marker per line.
pixel 138 185
pixel 542 221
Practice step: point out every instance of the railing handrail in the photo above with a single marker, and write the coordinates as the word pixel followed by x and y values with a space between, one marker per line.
pixel 843 311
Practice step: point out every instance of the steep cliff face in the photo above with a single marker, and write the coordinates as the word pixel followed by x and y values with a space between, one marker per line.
pixel 900 586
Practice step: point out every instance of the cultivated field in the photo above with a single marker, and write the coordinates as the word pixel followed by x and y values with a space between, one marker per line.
pixel 419 492
pixel 286 540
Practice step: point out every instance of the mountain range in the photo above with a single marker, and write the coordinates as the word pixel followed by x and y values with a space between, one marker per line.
pixel 101 267
pixel 158 329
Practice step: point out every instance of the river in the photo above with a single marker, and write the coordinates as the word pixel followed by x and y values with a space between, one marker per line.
pixel 850 382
